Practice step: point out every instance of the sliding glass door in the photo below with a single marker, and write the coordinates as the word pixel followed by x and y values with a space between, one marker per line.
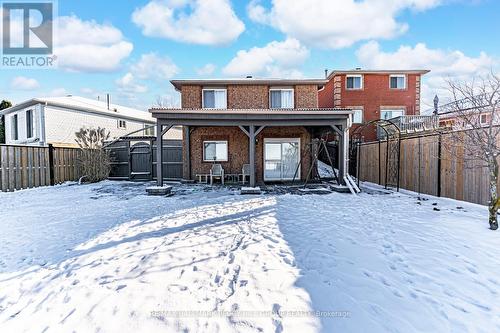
pixel 281 158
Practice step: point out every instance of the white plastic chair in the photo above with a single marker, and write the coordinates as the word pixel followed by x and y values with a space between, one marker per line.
pixel 245 171
pixel 216 172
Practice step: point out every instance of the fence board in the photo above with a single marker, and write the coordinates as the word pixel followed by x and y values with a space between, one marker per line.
pixel 29 166
pixel 419 169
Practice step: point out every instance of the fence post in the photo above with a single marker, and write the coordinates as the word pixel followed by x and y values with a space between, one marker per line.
pixel 358 160
pixel 439 166
pixel 51 165
pixel 379 159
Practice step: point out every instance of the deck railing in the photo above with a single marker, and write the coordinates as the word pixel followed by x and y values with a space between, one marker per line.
pixel 410 124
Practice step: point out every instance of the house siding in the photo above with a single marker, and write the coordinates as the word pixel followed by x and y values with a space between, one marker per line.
pixel 62 124
pixel 238 148
pixel 22 128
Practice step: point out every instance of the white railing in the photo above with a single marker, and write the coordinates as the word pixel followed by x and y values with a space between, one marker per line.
pixel 410 124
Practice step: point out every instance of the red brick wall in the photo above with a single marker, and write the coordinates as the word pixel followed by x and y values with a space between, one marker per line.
pixel 306 96
pixel 249 96
pixel 191 97
pixel 325 96
pixel 375 95
pixel 238 148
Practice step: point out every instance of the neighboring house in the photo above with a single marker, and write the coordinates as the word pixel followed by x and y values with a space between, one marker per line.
pixel 373 95
pixel 267 124
pixel 472 118
pixel 54 120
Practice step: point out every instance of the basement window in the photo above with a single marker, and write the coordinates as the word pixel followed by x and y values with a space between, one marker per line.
pixel 215 151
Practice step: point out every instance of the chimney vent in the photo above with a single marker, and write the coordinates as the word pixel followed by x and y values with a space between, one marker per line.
pixel 107 100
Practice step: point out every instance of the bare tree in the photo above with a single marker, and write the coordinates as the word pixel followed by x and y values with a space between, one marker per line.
pixel 94 160
pixel 475 133
pixel 163 102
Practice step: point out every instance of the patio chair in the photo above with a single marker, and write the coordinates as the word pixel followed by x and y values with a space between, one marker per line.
pixel 245 172
pixel 216 172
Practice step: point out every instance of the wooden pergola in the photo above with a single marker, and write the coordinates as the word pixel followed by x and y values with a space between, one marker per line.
pixel 252 122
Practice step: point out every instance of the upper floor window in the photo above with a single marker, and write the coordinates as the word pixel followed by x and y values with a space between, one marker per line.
pixel 149 130
pixel 214 99
pixel 14 128
pixel 281 98
pixel 354 82
pixel 398 82
pixel 29 124
pixel 122 124
pixel 483 119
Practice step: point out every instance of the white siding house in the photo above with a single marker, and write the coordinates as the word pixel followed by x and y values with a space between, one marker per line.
pixel 55 120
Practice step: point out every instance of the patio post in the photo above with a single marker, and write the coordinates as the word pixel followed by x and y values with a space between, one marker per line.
pixel 343 135
pixel 159 153
pixel 251 151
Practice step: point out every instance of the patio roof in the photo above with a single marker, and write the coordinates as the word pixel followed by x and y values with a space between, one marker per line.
pixel 246 117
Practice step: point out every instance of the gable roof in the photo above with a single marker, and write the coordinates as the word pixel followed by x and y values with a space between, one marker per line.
pixel 83 104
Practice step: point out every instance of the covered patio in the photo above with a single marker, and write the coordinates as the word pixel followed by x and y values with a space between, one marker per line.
pixel 252 122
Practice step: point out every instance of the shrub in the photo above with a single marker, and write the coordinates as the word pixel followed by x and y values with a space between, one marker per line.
pixel 94 160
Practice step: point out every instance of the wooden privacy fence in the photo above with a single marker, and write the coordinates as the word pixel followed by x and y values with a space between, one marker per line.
pixel 30 166
pixel 425 166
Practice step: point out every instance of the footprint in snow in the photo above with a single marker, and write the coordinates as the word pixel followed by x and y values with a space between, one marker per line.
pixel 121 286
pixel 471 269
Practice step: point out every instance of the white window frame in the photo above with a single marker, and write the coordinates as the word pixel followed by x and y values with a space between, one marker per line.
pixel 32 127
pixel 392 109
pixel 362 115
pixel 212 89
pixel 282 89
pixel 148 129
pixel 281 141
pixel 361 79
pixel 485 119
pixel 119 124
pixel 397 76
pixel 216 142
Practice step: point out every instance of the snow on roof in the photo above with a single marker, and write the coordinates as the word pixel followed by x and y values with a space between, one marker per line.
pixel 86 104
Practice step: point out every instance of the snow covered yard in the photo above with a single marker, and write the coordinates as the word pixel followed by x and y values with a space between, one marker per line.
pixel 108 258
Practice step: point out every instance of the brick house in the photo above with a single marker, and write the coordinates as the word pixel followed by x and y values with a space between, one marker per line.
pixel 373 95
pixel 265 123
